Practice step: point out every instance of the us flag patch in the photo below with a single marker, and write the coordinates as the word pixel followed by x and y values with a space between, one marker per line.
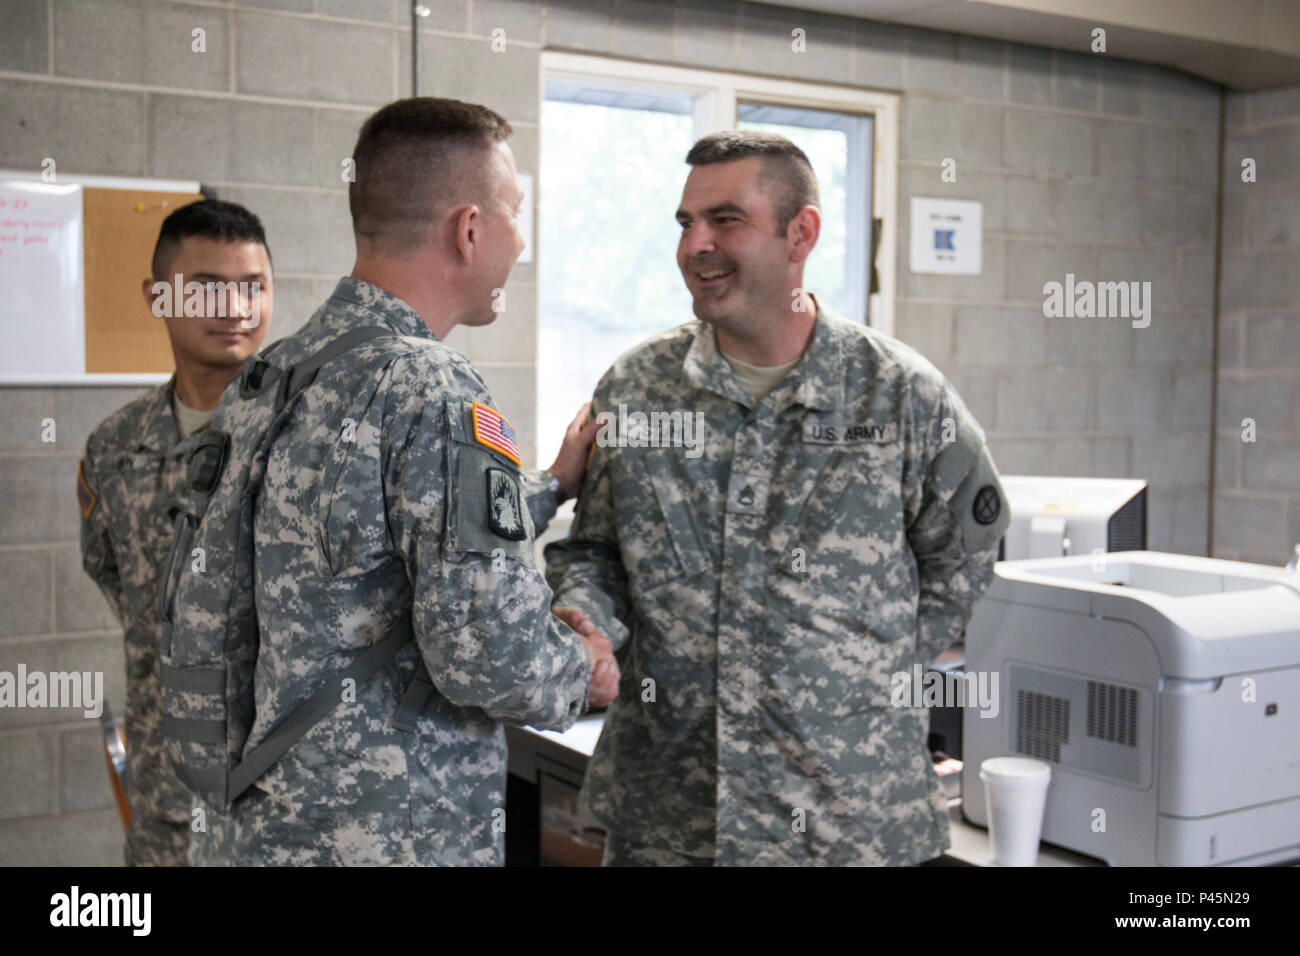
pixel 491 429
pixel 86 499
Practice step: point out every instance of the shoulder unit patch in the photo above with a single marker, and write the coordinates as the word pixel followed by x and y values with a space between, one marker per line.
pixel 86 499
pixel 505 513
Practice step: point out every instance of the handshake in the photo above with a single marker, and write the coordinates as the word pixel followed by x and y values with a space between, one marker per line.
pixel 604 669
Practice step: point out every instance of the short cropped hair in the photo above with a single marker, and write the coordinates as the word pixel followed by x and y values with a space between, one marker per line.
pixel 211 219
pixel 410 164
pixel 786 168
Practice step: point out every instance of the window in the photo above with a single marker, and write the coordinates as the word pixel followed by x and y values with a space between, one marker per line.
pixel 614 136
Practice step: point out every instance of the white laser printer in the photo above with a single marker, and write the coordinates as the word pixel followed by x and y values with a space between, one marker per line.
pixel 1163 690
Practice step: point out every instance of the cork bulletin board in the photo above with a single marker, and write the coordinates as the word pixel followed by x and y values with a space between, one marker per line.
pixel 74 256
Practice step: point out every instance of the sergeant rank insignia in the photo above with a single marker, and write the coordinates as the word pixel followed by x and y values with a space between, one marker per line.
pixel 505 516
pixel 491 429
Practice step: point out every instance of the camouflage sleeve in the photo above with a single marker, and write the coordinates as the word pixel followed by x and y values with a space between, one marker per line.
pixel 955 531
pixel 585 569
pixel 97 555
pixel 481 608
pixel 541 499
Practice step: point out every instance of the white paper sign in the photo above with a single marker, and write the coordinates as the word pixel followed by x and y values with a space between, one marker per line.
pixel 947 236
pixel 42 305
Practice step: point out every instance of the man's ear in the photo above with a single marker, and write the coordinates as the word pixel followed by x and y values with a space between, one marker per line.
pixel 467 220
pixel 150 296
pixel 802 233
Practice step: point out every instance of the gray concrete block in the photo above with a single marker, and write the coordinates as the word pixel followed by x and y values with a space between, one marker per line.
pixel 1033 264
pixel 83 130
pixel 1232 233
pixel 93 838
pixel 1160 156
pixel 1279 104
pixel 1195 221
pixel 1087 211
pixel 643 30
pixel 1231 337
pixel 928 328
pixel 297 6
pixel 1029 69
pixel 981 133
pixel 579 25
pixel 1192 403
pixel 27 785
pixel 1175 337
pixel 935 129
pixel 514 389
pixel 1155 264
pixel 1121 87
pixel 930 61
pixel 101 654
pixel 878 50
pixel 1159 209
pixel 1049 141
pixel 25 592
pixel 1027 205
pixel 25 410
pixel 314 59
pixel 131 41
pixel 521 19
pixel 1238 110
pixel 512 338
pixel 1293 525
pixel 705 33
pixel 25 41
pixel 1119 149
pixel 1227 457
pixel 1198 157
pixel 1265 400
pixel 311 233
pixel 1190 523
pixel 1175 459
pixel 376 10
pixel 766 36
pixel 1272 342
pixel 1174 97
pixel 469 70
pixel 1037 400
pixel 336 134
pixel 1271 217
pixel 226 141
pixel 999 336
pixel 1256 524
pixel 1276 152
pixel 1022 456
pixel 978 389
pixel 1077 80
pixel 447 16
pixel 1196 278
pixel 525 147
pixel 981 68
pixel 1109 457
pixel 988 285
pixel 83 774
pixel 1260 280
pixel 79 604
pixel 1089 343
pixel 1134 400
pixel 37 498
pixel 78 409
pixel 296 300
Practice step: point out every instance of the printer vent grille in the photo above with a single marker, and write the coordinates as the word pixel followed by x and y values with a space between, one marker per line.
pixel 1112 713
pixel 1042 724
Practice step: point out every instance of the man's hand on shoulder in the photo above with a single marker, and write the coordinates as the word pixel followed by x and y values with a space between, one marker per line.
pixel 571 463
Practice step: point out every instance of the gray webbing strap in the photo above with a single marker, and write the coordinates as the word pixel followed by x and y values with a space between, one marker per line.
pixel 287 733
pixel 297 377
pixel 413 701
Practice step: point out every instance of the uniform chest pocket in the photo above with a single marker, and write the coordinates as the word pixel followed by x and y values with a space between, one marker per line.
pixel 658 534
pixel 846 564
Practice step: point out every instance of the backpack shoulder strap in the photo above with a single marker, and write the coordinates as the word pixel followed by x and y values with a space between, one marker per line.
pixel 297 377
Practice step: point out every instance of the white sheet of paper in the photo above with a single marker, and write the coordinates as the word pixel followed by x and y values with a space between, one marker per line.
pixel 947 236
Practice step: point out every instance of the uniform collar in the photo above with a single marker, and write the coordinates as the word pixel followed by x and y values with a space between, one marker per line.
pixel 388 310
pixel 817 382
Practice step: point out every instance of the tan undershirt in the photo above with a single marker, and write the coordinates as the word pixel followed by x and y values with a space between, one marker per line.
pixel 758 380
pixel 189 420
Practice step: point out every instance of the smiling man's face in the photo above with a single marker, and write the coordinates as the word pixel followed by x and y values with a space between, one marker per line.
pixel 240 322
pixel 731 254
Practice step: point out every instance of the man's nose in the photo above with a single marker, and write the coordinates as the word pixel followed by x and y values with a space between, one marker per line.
pixel 697 239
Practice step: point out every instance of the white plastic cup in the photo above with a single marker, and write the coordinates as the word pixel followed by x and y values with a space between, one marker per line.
pixel 1015 794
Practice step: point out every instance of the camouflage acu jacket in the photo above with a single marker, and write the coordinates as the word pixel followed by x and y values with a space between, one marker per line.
pixel 386 501
pixel 768 583
pixel 132 475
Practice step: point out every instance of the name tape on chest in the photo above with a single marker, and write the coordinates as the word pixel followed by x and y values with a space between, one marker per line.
pixel 836 433
pixel 492 429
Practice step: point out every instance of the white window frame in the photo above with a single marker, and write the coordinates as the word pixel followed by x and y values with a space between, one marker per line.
pixel 716 94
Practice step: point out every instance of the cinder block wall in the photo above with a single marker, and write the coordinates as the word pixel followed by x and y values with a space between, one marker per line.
pixel 1257 483
pixel 1087 165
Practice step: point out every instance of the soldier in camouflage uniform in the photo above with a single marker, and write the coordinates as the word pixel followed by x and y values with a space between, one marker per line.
pixel 838 526
pixel 134 473
pixel 394 493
